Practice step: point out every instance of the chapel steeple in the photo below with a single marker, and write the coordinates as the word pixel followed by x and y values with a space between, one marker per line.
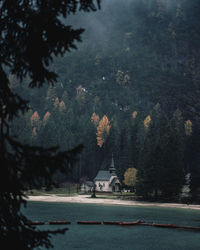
pixel 112 169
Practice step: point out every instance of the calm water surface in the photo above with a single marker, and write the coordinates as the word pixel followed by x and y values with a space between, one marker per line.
pixel 104 237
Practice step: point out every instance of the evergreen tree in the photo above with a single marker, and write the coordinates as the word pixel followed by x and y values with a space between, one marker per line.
pixel 134 143
pixel 161 168
pixel 150 165
pixel 90 157
pixel 173 165
pixel 31 34
pixel 193 159
pixel 123 161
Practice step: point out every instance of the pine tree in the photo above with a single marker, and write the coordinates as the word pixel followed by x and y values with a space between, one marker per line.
pixel 50 98
pixel 134 142
pixel 124 153
pixel 161 168
pixel 193 160
pixel 21 127
pixel 91 156
pixel 150 163
pixel 173 164
pixel 32 33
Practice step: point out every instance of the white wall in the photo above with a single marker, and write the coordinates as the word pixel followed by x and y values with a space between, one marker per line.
pixel 85 188
pixel 105 188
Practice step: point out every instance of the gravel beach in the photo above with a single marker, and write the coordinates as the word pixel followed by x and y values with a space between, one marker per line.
pixel 87 199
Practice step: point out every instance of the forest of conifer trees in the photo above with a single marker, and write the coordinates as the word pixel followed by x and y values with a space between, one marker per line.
pixel 132 90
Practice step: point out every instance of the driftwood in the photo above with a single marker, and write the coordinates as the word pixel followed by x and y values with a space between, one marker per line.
pixel 131 223
pixel 173 226
pixel 89 222
pixel 34 223
pixel 59 222
pixel 111 222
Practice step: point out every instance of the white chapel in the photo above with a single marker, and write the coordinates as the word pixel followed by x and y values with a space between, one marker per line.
pixel 107 180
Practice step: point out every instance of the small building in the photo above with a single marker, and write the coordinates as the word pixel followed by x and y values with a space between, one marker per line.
pixel 107 180
pixel 87 186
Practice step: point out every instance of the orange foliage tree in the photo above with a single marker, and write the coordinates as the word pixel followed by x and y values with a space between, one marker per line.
pixel 46 117
pixel 35 119
pixel 103 130
pixel 134 114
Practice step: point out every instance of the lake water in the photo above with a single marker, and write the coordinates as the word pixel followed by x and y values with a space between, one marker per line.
pixel 108 237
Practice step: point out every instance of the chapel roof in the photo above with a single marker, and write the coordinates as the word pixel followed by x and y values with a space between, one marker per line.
pixel 103 175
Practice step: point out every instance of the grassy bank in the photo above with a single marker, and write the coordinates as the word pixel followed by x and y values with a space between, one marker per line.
pixel 72 189
pixel 68 190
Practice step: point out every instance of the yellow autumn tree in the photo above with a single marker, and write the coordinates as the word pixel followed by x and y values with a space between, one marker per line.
pixel 103 130
pixel 188 127
pixel 122 78
pixel 80 94
pixel 62 106
pixel 147 121
pixel 56 102
pixel 95 119
pixel 119 76
pixel 130 177
pixel 126 78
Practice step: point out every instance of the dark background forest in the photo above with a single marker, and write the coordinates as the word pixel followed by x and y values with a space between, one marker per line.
pixel 132 90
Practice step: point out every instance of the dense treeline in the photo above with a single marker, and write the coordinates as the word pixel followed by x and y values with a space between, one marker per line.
pixel 132 89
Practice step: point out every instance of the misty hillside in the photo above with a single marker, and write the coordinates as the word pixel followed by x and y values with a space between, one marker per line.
pixel 131 88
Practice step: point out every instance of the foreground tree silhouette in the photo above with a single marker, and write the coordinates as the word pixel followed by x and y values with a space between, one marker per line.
pixel 31 34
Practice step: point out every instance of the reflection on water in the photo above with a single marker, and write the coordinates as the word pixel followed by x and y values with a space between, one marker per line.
pixel 93 237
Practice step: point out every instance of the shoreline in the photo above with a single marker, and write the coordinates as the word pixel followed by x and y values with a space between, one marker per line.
pixel 86 199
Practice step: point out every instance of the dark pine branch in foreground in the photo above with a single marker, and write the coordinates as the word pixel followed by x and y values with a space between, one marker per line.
pixel 31 34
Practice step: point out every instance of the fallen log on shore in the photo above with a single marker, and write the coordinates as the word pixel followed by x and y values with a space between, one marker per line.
pixel 89 222
pixel 133 223
pixel 188 228
pixel 111 222
pixel 59 222
pixel 146 224
pixel 164 225
pixel 173 226
pixel 34 223
pixel 130 223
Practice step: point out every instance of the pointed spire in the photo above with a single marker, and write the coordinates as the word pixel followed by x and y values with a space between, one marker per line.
pixel 112 162
pixel 112 166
